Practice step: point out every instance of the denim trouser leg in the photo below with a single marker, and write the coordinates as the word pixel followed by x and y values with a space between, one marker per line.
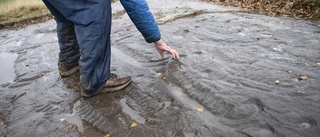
pixel 69 49
pixel 90 21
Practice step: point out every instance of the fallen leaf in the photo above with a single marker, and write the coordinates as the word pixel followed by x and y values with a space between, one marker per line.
pixel 78 109
pixel 62 119
pixel 159 74
pixel 74 127
pixel 1 122
pixel 134 124
pixel 107 135
pixel 277 81
pixel 301 92
pixel 73 86
pixel 164 78
pixel 45 78
pixel 200 109
pixel 98 102
pixel 187 86
pixel 303 77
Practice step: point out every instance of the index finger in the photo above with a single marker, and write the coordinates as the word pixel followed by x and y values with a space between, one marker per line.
pixel 175 54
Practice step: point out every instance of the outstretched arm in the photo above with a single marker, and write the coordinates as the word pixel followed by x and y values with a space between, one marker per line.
pixel 143 19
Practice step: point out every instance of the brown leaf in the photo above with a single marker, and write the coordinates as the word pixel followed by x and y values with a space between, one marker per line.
pixel 107 135
pixel 73 86
pixel 164 78
pixel 303 77
pixel 200 109
pixel 74 128
pixel 134 124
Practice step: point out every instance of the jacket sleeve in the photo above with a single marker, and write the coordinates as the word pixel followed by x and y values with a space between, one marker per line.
pixel 142 18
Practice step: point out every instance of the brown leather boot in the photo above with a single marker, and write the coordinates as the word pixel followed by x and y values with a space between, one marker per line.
pixel 114 83
pixel 66 73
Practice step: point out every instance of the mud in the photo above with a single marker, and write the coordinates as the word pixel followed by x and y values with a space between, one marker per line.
pixel 223 85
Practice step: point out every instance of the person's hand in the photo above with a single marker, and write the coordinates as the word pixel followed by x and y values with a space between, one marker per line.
pixel 163 47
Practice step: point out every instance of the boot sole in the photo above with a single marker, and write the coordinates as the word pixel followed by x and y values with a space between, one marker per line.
pixel 106 90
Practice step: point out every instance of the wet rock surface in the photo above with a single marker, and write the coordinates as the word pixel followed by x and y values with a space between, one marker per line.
pixel 224 84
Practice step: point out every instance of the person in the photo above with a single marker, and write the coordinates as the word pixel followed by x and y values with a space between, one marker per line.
pixel 83 29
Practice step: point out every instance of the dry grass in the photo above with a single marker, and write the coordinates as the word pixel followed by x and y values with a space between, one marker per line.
pixel 20 13
pixel 14 4
pixel 15 11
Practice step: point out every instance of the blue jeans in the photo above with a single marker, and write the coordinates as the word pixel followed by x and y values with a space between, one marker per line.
pixel 83 28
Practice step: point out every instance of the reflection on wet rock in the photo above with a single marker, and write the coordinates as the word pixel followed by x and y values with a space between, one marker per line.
pixel 239 75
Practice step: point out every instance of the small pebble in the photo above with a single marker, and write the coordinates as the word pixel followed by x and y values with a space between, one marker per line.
pixel 305 125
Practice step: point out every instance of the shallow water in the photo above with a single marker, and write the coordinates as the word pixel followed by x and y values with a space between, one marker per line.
pixel 7 67
pixel 223 85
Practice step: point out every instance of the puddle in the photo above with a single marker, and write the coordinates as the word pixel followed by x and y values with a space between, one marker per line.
pixel 72 118
pixel 132 113
pixel 207 118
pixel 225 86
pixel 7 67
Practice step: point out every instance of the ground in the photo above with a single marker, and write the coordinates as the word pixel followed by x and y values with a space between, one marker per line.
pixel 240 74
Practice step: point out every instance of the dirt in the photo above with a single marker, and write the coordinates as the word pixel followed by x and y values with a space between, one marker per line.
pixel 238 76
pixel 26 22
pixel 299 9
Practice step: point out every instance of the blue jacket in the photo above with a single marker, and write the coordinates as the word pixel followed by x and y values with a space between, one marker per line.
pixel 142 18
